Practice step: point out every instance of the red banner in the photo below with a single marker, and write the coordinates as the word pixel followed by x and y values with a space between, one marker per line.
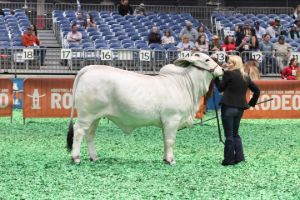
pixel 47 97
pixel 6 97
pixel 285 103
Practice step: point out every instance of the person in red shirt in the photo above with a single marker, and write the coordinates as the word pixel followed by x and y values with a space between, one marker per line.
pixel 290 72
pixel 30 39
pixel 229 44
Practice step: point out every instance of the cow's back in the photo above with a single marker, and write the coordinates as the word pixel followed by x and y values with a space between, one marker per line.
pixel 127 98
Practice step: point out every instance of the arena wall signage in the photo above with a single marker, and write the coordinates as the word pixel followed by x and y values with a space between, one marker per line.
pixel 285 103
pixel 6 97
pixel 47 97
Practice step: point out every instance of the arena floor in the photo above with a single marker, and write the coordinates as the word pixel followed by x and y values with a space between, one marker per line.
pixel 36 165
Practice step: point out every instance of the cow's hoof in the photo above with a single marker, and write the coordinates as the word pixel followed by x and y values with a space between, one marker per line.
pixel 76 160
pixel 172 162
pixel 94 159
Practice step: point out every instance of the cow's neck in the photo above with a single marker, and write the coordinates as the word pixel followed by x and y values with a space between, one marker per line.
pixel 200 81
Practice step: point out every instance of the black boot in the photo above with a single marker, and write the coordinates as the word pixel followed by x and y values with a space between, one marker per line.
pixel 238 148
pixel 229 158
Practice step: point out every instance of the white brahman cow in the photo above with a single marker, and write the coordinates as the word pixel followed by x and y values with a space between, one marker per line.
pixel 131 100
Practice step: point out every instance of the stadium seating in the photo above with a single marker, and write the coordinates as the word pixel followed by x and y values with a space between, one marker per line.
pixel 12 27
pixel 111 26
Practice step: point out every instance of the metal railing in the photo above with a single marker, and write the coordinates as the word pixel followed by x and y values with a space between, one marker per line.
pixel 69 61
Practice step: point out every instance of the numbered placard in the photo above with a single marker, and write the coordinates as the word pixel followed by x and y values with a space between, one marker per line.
pixel 105 54
pixel 66 54
pixel 27 54
pixel 296 55
pixel 184 54
pixel 257 56
pixel 145 55
pixel 221 55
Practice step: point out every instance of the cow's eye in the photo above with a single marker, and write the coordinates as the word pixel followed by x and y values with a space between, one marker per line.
pixel 207 60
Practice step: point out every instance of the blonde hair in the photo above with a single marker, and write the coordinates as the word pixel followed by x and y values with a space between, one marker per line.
pixel 238 64
pixel 185 36
pixel 252 70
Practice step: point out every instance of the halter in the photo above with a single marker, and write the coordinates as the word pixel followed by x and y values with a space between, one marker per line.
pixel 209 70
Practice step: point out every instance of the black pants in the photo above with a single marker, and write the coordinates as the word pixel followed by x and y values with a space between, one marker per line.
pixel 233 150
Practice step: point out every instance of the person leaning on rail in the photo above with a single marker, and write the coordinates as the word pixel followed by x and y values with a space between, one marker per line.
pixel 234 85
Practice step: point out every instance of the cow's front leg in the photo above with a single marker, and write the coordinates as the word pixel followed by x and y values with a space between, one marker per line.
pixel 169 141
pixel 90 141
pixel 78 136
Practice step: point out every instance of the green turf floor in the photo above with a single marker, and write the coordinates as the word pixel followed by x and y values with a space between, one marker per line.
pixel 35 164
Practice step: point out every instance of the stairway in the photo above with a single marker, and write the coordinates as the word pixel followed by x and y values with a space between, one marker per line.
pixel 49 41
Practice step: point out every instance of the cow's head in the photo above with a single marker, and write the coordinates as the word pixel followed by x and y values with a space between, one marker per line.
pixel 201 61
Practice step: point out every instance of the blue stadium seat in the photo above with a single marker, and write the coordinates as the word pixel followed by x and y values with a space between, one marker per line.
pixel 155 46
pixel 95 37
pixel 101 45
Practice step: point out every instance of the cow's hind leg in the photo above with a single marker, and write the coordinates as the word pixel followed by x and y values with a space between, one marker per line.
pixel 90 141
pixel 79 132
pixel 169 133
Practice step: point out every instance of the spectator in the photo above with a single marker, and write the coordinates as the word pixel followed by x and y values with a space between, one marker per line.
pixel 91 22
pixel 140 10
pixel 271 29
pixel 124 8
pixel 244 45
pixel 268 59
pixel 185 44
pixel 246 29
pixel 253 42
pixel 201 43
pixel 74 36
pixel 81 21
pixel 290 72
pixel 282 52
pixel 190 31
pixel 277 28
pixel 168 38
pixel 229 44
pixel 260 31
pixel 215 44
pixel 296 14
pixel 251 69
pixel 201 31
pixel 294 34
pixel 297 24
pixel 239 35
pixel 41 51
pixel 154 36
pixel 30 39
pixel 1 12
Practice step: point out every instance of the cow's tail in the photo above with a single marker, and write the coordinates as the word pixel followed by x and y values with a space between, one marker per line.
pixel 71 125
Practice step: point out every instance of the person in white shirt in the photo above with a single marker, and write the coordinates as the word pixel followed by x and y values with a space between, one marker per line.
pixel 271 30
pixel 260 31
pixel 202 44
pixel 168 38
pixel 74 36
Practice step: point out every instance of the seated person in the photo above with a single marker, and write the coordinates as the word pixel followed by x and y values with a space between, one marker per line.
pixel 290 72
pixel 91 22
pixel 124 8
pixel 229 44
pixel 185 44
pixel 202 44
pixel 74 36
pixel 294 34
pixel 215 44
pixel 29 38
pixel 81 21
pixel 168 38
pixel 154 36
pixel 140 10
